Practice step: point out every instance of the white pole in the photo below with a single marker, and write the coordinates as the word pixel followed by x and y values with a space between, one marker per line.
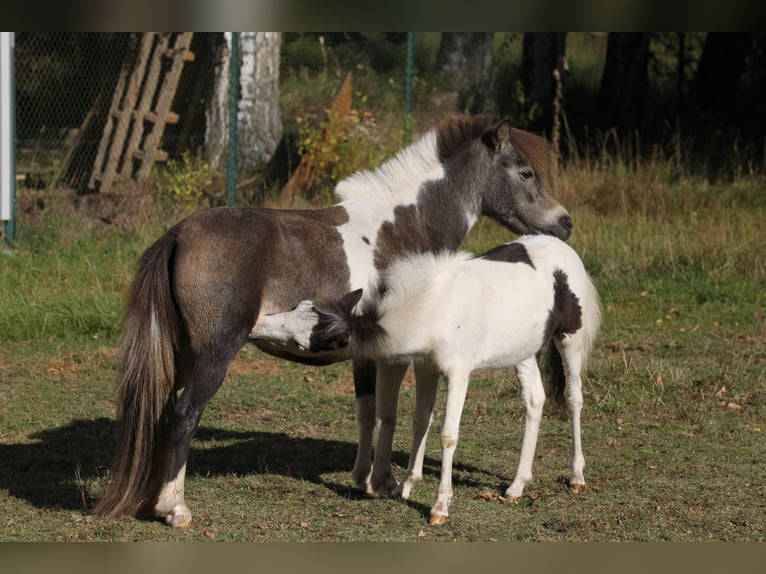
pixel 7 183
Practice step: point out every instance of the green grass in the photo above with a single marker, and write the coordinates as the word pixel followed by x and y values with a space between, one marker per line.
pixel 673 428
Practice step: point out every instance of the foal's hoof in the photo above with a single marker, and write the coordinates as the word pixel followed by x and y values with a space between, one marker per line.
pixel 437 519
pixel 576 487
pixel 185 525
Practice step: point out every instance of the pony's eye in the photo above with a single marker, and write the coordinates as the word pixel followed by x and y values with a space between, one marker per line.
pixel 526 174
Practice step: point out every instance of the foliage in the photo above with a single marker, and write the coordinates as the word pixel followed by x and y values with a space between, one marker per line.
pixel 336 146
pixel 183 182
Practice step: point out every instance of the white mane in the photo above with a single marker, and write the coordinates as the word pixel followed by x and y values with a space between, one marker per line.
pixel 398 179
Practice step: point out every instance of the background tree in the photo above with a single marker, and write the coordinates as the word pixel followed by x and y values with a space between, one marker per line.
pixel 625 82
pixel 259 118
pixel 542 53
pixel 464 59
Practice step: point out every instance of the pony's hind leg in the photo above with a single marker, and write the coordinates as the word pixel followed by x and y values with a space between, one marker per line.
pixel 532 399
pixel 427 379
pixel 571 350
pixel 199 384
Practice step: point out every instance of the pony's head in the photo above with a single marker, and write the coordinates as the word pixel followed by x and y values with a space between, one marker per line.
pixel 515 165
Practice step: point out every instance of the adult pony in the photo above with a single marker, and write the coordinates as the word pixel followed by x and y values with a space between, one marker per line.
pixel 459 314
pixel 211 282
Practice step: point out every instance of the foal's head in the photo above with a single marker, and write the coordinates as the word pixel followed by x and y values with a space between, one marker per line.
pixel 517 166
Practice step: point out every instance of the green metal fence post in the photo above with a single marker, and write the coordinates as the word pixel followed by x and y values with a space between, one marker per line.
pixel 408 87
pixel 234 65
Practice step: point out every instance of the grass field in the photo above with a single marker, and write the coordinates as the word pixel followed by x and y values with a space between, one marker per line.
pixel 674 425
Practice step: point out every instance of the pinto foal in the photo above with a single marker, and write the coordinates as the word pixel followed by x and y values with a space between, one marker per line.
pixel 458 313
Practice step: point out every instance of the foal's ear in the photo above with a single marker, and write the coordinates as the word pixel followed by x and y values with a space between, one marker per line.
pixel 351 299
pixel 498 135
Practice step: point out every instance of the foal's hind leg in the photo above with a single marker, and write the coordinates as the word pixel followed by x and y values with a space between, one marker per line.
pixel 533 399
pixel 570 349
pixel 200 383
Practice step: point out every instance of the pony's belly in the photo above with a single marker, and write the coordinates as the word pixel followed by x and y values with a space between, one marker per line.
pixel 291 352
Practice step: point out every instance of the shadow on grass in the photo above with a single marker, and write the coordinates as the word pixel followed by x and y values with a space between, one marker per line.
pixel 52 472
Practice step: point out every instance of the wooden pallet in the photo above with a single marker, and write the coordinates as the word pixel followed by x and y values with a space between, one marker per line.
pixel 140 109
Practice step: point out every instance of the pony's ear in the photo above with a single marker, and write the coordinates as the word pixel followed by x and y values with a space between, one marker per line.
pixel 351 299
pixel 498 135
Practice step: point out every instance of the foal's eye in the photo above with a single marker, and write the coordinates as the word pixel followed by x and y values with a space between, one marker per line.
pixel 526 174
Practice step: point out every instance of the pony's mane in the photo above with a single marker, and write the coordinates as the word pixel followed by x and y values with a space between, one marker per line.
pixel 536 149
pixel 455 133
pixel 398 178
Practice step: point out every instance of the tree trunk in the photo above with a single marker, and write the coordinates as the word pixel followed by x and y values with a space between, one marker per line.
pixel 464 60
pixel 259 121
pixel 624 85
pixel 542 54
pixel 718 79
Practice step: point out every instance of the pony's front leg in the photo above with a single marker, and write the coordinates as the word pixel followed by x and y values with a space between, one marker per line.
pixel 387 386
pixel 457 387
pixel 532 399
pixel 364 388
pixel 427 379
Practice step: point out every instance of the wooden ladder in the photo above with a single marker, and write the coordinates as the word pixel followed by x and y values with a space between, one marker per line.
pixel 142 98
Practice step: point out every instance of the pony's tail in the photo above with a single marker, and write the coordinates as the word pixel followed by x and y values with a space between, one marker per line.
pixel 145 392
pixel 339 326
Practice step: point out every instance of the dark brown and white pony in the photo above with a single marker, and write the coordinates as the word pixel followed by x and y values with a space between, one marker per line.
pixel 211 283
pixel 454 313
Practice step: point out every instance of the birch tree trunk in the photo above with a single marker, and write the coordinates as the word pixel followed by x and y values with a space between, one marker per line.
pixel 259 122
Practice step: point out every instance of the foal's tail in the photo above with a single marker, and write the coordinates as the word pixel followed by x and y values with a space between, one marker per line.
pixel 145 392
pixel 553 365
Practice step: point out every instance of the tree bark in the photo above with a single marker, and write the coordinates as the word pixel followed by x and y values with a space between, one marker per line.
pixel 542 53
pixel 624 84
pixel 464 60
pixel 259 122
pixel 718 79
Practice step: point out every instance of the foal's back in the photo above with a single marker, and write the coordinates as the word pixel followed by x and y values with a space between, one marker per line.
pixel 487 312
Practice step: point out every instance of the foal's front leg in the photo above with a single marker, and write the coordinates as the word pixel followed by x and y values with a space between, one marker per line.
pixel 426 386
pixel 532 398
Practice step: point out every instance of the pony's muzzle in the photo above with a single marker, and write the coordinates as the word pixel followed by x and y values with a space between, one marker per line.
pixel 563 228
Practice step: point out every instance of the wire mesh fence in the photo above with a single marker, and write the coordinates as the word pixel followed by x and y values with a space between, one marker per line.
pixel 95 111
pixel 72 89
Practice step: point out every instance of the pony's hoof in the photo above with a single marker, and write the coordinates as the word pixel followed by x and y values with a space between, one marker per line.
pixel 437 519
pixel 179 517
pixel 510 499
pixel 576 487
